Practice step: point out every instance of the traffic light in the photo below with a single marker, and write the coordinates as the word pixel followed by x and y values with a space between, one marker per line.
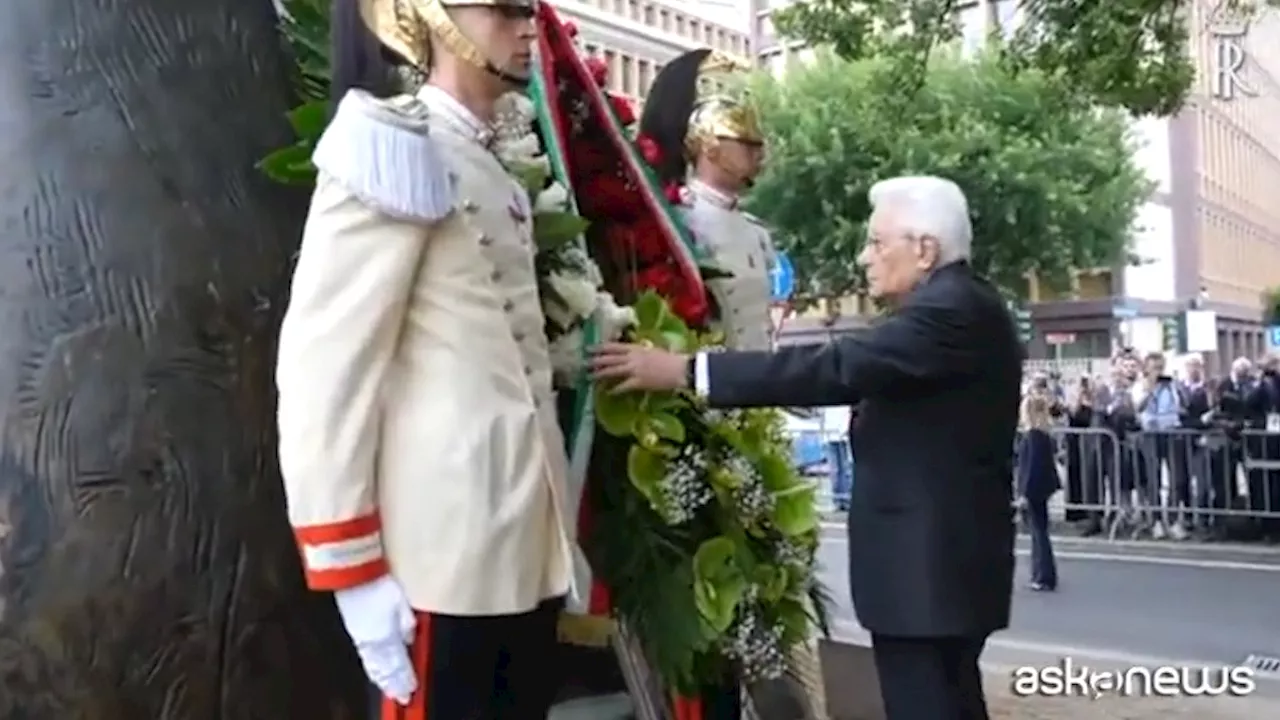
pixel 1024 324
pixel 1171 333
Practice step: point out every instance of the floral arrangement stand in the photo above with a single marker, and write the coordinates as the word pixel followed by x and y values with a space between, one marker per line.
pixel 698 534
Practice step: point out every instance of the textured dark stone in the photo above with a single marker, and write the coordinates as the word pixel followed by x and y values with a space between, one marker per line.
pixel 146 568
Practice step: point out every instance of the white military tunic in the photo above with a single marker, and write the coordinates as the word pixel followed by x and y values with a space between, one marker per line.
pixel 737 243
pixel 417 431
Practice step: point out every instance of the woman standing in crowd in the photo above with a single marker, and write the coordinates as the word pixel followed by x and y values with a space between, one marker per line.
pixel 1037 482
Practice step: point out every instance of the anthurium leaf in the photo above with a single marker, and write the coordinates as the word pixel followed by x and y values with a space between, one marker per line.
pixel 772 581
pixel 718 581
pixel 795 510
pixel 678 342
pixel 617 412
pixel 645 470
pixel 554 229
pixel 651 312
pixel 775 471
pixel 667 426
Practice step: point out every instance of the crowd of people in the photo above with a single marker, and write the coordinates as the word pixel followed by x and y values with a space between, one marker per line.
pixel 1166 455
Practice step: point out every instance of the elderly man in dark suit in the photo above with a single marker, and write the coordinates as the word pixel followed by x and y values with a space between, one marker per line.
pixel 937 383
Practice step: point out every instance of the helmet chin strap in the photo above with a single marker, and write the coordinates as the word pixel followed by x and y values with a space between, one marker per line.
pixel 503 75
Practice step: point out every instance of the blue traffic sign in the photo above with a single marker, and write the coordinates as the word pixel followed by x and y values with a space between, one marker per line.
pixel 782 278
pixel 1273 336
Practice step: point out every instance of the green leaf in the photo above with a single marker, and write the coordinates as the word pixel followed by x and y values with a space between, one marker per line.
pixel 617 412
pixel 533 178
pixel 309 119
pixel 289 165
pixel 795 511
pixel 773 582
pixel 718 582
pixel 776 472
pixel 645 470
pixel 651 312
pixel 667 427
pixel 552 230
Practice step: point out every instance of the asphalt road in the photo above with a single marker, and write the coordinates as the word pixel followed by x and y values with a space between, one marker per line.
pixel 1124 605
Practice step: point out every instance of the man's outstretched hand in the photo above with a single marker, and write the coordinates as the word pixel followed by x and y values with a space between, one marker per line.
pixel 637 367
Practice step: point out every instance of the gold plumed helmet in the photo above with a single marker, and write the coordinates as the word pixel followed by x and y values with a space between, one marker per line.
pixel 407 27
pixel 696 100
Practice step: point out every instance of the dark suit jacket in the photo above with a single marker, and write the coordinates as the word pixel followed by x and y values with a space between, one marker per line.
pixel 1037 471
pixel 930 523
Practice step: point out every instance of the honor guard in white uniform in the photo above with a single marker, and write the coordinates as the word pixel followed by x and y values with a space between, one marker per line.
pixel 711 144
pixel 423 465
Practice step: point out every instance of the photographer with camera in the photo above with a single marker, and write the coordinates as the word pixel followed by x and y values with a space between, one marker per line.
pixel 1159 406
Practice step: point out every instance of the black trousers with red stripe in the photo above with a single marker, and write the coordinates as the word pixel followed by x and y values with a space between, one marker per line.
pixel 499 667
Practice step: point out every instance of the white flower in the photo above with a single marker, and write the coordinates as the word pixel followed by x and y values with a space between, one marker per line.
pixel 577 299
pixel 613 318
pixel 521 150
pixel 553 199
pixel 565 353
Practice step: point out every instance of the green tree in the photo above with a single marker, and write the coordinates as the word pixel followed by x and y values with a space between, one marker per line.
pixel 1125 53
pixel 1052 185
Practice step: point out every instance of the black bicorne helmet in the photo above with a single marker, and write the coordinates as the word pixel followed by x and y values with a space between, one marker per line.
pixel 667 109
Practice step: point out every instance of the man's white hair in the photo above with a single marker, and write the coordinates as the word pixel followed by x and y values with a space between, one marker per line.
pixel 928 205
pixel 1241 364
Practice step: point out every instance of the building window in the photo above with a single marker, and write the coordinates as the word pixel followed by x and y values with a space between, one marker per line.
pixel 695 29
pixel 720 39
pixel 611 62
pixel 648 14
pixel 628 85
pixel 680 24
pixel 644 75
pixel 664 19
pixel 633 9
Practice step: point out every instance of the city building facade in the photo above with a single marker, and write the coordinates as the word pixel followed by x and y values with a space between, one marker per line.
pixel 1209 237
pixel 637 37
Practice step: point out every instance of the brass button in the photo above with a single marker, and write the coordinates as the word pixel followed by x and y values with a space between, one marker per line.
pixel 508 306
pixel 496 275
pixel 528 370
pixel 519 336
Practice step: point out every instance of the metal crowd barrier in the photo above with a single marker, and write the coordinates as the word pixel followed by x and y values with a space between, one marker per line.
pixel 1172 483
pixel 1168 483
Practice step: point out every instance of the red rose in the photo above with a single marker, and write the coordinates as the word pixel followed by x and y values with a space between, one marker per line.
pixel 623 109
pixel 598 69
pixel 649 149
pixel 667 281
pixel 674 193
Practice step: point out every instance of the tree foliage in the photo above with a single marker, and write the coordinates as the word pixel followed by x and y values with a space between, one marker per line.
pixel 1124 53
pixel 1052 185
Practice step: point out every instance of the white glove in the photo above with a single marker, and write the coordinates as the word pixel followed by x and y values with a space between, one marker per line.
pixel 381 624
